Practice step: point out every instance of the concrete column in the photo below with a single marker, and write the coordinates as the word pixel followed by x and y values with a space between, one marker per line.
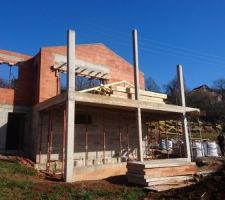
pixel 70 107
pixel 137 86
pixel 184 117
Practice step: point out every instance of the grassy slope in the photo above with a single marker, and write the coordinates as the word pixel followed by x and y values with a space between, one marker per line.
pixel 19 182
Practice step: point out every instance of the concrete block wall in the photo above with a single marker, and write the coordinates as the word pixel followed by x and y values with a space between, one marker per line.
pixel 57 133
pixel 112 121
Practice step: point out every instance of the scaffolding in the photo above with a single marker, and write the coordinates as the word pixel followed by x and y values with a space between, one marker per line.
pixel 164 139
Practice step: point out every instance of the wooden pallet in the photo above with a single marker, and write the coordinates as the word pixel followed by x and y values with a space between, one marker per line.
pixel 157 172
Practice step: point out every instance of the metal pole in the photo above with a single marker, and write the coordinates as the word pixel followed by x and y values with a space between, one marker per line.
pixel 86 144
pixel 128 141
pixel 48 147
pixel 63 139
pixel 136 84
pixel 184 117
pixel 70 107
pixel 10 76
pixel 40 137
pixel 51 134
pixel 200 132
pixel 120 138
pixel 166 132
pixel 103 129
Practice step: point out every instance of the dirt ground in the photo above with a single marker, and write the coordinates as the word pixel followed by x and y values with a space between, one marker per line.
pixel 208 187
pixel 204 187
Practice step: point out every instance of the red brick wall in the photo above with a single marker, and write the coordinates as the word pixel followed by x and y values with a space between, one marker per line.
pixel 48 80
pixel 23 93
pixel 6 96
pixel 26 82
pixel 37 82
pixel 120 69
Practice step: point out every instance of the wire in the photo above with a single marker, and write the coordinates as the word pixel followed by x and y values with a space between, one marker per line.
pixel 151 44
pixel 141 38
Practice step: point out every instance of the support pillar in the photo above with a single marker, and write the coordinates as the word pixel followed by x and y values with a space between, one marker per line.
pixel 184 117
pixel 70 107
pixel 136 85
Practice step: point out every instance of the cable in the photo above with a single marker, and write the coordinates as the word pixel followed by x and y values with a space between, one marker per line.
pixel 150 41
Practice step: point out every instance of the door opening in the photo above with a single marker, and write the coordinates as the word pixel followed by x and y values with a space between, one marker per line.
pixel 15 131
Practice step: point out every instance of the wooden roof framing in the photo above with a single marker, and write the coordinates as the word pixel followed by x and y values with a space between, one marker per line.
pixel 82 68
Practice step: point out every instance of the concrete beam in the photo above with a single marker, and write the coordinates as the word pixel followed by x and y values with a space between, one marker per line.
pixel 137 87
pixel 54 101
pixel 136 64
pixel 70 108
pixel 183 104
pixel 108 101
pixel 10 59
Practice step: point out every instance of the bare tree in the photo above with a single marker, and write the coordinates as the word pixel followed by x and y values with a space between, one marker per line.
pixel 172 90
pixel 85 83
pixel 219 87
pixel 151 85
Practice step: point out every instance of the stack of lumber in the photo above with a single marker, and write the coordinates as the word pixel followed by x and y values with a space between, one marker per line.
pixel 157 172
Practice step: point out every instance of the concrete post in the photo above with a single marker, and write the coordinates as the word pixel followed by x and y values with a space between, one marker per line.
pixel 184 117
pixel 70 107
pixel 136 85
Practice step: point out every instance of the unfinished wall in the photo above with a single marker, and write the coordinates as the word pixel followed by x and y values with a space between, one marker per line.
pixel 118 127
pixel 48 80
pixel 3 125
pixel 23 93
pixel 44 128
pixel 7 96
pixel 111 126
pixel 4 110
pixel 99 54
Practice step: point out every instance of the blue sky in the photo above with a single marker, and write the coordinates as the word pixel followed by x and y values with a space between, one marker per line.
pixel 170 32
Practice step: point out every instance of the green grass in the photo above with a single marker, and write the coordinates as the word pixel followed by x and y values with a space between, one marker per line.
pixel 19 182
pixel 12 167
pixel 80 194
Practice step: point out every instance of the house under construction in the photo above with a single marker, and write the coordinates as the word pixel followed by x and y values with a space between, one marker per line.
pixel 91 133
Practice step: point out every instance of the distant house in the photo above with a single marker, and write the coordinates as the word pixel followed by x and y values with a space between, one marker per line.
pixel 216 96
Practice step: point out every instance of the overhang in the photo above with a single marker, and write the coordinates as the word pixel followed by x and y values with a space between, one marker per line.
pixel 114 102
pixel 108 101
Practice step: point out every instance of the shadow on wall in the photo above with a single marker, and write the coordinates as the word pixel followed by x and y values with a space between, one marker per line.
pixel 3 131
pixel 118 138
pixel 26 90
pixel 12 131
